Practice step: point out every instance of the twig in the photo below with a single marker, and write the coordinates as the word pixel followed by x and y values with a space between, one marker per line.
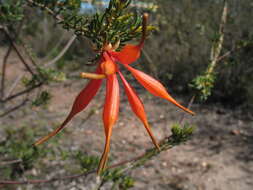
pixel 14 85
pixel 63 51
pixel 189 107
pixel 22 92
pixel 14 108
pixel 56 46
pixel 217 47
pixel 10 162
pixel 149 60
pixel 28 53
pixel 232 51
pixel 17 51
pixel 9 182
pixel 2 93
pixel 226 54
pixel 4 71
pixel 48 10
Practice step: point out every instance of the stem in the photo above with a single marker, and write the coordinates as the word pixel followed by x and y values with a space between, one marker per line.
pixel 48 10
pixel 233 50
pixel 188 107
pixel 2 163
pixel 2 89
pixel 28 53
pixel 8 182
pixel 13 109
pixel 22 92
pixel 4 72
pixel 14 85
pixel 63 51
pixel 17 51
pixel 216 49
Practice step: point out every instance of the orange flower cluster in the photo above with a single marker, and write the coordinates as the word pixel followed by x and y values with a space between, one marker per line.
pixel 108 69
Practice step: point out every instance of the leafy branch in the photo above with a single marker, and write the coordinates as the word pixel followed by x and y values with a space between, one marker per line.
pixel 204 83
pixel 113 25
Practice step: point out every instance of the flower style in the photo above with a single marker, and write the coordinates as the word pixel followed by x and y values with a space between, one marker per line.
pixel 108 69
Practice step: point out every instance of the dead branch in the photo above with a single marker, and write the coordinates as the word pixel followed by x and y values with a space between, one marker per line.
pixel 4 71
pixel 22 92
pixel 5 30
pixel 14 108
pixel 63 51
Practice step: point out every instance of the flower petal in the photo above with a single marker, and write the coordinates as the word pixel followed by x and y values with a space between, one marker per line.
pixel 129 54
pixel 81 101
pixel 154 87
pixel 137 107
pixel 110 115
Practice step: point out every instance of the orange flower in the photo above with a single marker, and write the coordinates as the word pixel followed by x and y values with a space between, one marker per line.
pixel 108 69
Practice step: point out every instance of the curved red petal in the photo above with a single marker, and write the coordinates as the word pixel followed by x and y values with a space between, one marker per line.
pixel 129 54
pixel 137 107
pixel 110 115
pixel 80 103
pixel 154 87
pixel 111 107
pixel 104 157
